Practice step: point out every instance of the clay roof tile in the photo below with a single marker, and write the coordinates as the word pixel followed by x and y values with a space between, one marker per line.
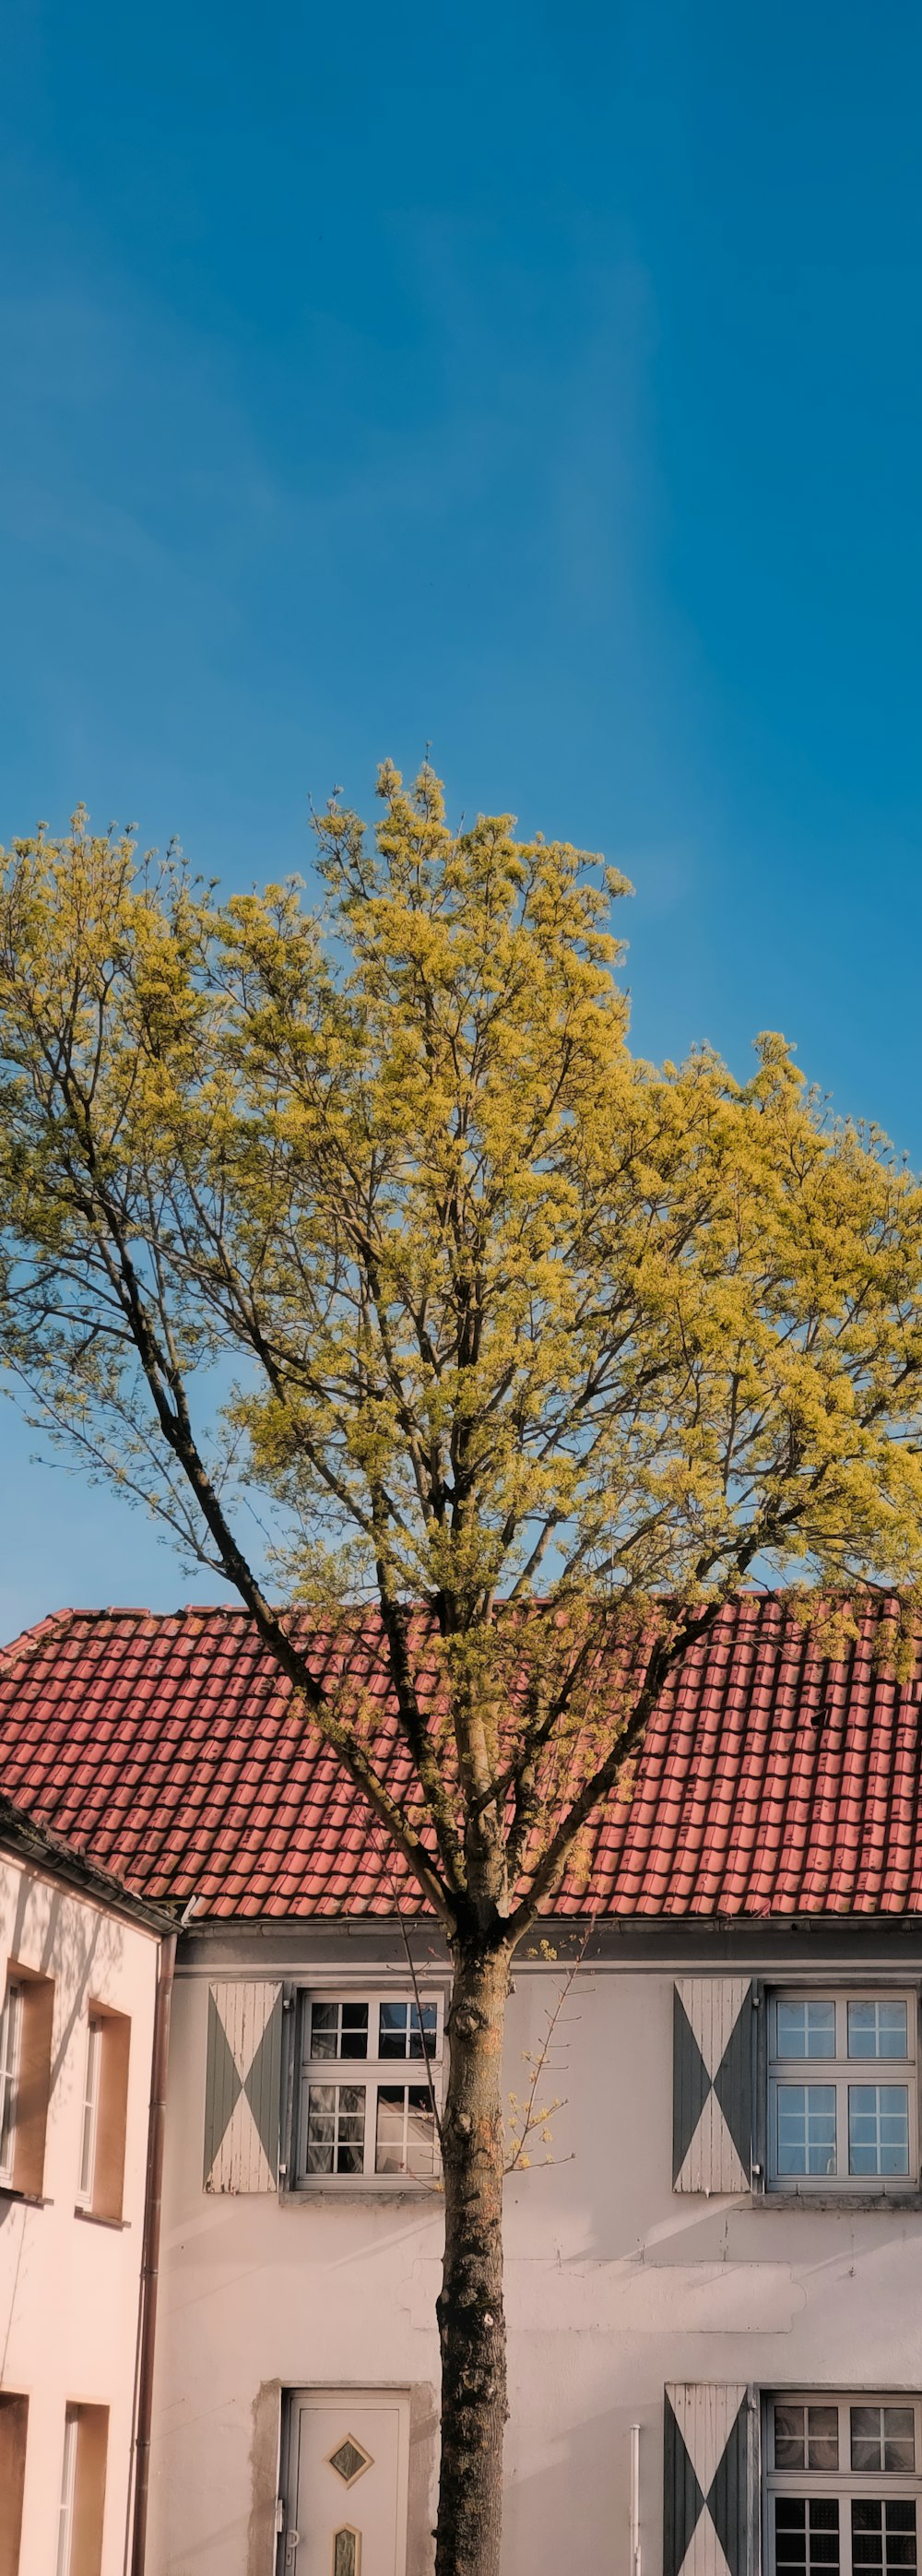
pixel 771 1782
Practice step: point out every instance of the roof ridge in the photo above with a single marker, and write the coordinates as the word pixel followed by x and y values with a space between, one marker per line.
pixel 876 1608
pixel 89 1613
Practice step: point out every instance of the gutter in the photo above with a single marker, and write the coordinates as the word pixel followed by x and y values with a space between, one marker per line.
pixel 136 2534
pixel 43 1848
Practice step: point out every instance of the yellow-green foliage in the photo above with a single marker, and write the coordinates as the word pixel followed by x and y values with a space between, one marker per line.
pixel 522 1328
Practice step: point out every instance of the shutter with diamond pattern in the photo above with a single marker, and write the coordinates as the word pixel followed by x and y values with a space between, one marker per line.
pixel 243 2086
pixel 712 2102
pixel 711 2469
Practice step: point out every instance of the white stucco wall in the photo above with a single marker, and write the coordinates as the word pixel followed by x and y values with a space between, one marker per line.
pixel 615 2285
pixel 69 2285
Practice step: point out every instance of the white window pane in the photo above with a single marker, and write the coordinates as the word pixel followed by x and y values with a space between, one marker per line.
pixel 866 2438
pixel 389 2141
pixel 324 2030
pixel 336 2128
pixel 878 2129
pixel 353 2034
pixel 68 2478
pixel 883 2438
pixel 806 2029
pixel 883 2536
pixel 899 2437
pixel 350 2129
pixel 420 2131
pixel 807 2535
pixel 806 2437
pixel 806 2116
pixel 393 2030
pixel 790 2437
pixel 878 2029
pixel 822 2437
pixel 321 2127
pixel 422 2030
pixel 405 2139
pixel 90 2097
pixel 10 2019
pixel 339 2030
pixel 407 2030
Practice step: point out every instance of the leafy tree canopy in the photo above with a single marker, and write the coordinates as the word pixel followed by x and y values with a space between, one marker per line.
pixel 509 1325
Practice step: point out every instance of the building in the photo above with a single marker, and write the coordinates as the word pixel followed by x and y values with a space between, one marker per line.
pixel 80 1976
pixel 714 2285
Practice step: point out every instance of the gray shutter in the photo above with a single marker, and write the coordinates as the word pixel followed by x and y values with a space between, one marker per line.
pixel 243 2086
pixel 712 2102
pixel 711 2469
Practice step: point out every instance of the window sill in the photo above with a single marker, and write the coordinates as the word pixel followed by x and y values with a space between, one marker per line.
pixel 909 2198
pixel 362 2187
pixel 30 2199
pixel 96 2218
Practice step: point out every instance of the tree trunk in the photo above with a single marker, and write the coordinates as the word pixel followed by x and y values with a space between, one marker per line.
pixel 470 2308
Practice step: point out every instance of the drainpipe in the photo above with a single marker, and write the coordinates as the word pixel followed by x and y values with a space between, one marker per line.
pixel 635 2500
pixel 150 2257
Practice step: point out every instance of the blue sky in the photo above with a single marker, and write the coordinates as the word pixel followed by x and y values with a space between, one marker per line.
pixel 544 383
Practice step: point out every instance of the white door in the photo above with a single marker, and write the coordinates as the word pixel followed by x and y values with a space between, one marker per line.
pixel 347 2506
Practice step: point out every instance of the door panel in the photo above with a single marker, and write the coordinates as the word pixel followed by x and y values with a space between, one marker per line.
pixel 347 2484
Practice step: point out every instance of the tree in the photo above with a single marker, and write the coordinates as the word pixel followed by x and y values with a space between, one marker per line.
pixel 536 1349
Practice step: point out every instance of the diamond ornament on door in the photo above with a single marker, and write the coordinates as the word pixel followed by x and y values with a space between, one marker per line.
pixel 349 2460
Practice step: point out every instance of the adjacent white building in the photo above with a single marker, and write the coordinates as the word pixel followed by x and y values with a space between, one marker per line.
pixel 79 1961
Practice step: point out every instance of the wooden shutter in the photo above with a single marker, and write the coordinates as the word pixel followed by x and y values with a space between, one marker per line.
pixel 712 2102
pixel 14 2419
pixel 711 2470
pixel 243 2086
pixel 33 2081
pixel 112 2116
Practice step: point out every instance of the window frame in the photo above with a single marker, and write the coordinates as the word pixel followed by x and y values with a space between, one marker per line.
pixel 879 2486
pixel 840 2074
pixel 374 2074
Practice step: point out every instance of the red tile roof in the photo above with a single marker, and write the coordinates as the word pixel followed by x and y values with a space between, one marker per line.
pixel 40 1847
pixel 167 1749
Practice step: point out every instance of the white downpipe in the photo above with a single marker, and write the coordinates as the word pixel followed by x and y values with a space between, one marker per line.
pixel 635 2500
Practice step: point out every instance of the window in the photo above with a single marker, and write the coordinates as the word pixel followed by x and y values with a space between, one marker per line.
pixel 14 2417
pixel 842 2092
pixel 101 2177
pixel 90 2109
pixel 83 2491
pixel 25 2079
pixel 359 2115
pixel 844 2477
pixel 10 2029
pixel 68 2484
